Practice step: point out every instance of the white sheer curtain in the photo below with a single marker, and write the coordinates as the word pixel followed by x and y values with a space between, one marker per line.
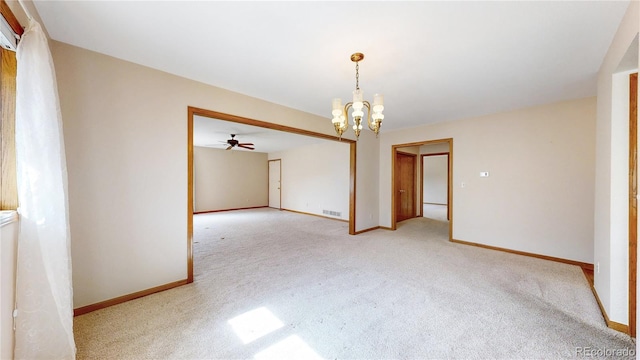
pixel 44 322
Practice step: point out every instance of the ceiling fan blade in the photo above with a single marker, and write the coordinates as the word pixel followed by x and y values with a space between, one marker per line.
pixel 248 144
pixel 245 146
pixel 229 148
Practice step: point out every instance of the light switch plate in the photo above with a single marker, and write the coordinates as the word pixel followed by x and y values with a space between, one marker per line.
pixel 484 174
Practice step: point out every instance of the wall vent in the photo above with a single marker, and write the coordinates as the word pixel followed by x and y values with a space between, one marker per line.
pixel 332 213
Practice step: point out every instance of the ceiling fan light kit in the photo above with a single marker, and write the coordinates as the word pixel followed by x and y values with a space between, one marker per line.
pixel 339 113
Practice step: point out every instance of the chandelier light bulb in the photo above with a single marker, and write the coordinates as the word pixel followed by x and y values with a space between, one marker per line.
pixel 337 107
pixel 378 103
pixel 357 96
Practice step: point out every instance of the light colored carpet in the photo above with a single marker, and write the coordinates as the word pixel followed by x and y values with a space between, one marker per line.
pixel 310 290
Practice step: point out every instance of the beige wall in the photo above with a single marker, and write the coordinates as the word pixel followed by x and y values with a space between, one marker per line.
pixel 315 178
pixel 539 196
pixel 611 244
pixel 410 149
pixel 231 179
pixel 125 129
pixel 367 181
pixel 434 148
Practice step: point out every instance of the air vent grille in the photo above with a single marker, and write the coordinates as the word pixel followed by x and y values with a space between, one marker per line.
pixel 332 213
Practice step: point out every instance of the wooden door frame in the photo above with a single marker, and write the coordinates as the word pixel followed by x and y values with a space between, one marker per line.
pixel 215 115
pixel 415 169
pixel 633 192
pixel 269 180
pixel 422 156
pixel 394 149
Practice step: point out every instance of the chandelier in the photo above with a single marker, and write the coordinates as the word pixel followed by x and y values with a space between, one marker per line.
pixel 339 113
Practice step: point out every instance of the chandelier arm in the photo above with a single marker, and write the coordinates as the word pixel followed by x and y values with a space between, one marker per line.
pixel 368 105
pixel 373 125
pixel 347 106
pixel 345 113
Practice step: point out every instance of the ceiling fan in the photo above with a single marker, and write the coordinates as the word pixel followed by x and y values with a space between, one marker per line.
pixel 233 143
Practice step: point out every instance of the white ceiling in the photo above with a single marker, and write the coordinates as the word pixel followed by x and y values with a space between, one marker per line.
pixel 214 133
pixel 434 61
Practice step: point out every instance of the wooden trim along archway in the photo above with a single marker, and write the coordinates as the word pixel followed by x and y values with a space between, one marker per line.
pixel 394 150
pixel 247 121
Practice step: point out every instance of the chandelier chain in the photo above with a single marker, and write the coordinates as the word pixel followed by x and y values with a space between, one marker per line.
pixel 357 76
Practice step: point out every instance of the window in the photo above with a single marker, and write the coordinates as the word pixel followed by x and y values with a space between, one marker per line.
pixel 8 184
pixel 8 68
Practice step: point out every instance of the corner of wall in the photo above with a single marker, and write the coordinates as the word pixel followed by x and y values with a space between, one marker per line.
pixel 609 243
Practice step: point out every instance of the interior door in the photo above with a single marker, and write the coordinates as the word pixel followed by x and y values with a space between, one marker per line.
pixel 405 186
pixel 275 184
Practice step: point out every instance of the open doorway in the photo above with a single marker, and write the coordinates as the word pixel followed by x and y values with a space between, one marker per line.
pixel 420 150
pixel 434 185
pixel 213 115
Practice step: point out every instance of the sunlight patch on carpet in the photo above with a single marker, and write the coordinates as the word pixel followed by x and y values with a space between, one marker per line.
pixel 293 347
pixel 255 324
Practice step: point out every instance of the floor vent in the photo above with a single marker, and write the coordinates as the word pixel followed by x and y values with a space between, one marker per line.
pixel 332 213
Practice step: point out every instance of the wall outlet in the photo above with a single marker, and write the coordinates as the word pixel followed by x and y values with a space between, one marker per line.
pixel 484 174
pixel 462 184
